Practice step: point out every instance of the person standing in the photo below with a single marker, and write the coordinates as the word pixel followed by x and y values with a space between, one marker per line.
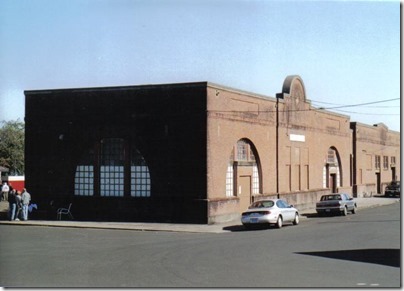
pixel 4 192
pixel 12 206
pixel 17 205
pixel 25 199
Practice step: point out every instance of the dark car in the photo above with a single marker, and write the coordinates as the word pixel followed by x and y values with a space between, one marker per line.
pixel 393 189
pixel 337 203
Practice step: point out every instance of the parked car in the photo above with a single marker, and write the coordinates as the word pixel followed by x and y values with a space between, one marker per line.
pixel 393 189
pixel 270 211
pixel 337 203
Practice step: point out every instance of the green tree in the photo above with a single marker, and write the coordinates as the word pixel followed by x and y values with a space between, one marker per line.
pixel 12 137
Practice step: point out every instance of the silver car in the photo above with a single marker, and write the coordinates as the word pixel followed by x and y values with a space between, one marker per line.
pixel 339 203
pixel 270 211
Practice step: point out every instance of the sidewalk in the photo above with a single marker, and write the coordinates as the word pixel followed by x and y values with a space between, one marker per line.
pixel 195 228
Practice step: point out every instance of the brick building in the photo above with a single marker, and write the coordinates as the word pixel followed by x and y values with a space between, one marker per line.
pixel 377 162
pixel 192 152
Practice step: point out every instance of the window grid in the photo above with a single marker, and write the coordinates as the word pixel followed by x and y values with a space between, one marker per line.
pixel 112 172
pixel 112 167
pixel 255 180
pixel 385 162
pixel 242 150
pixel 377 162
pixel 112 181
pixel 139 176
pixel 331 157
pixel 84 180
pixel 229 180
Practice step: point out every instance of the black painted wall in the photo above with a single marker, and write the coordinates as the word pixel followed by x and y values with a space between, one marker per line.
pixel 167 123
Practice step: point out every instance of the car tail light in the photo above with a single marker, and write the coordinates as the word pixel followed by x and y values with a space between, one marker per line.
pixel 266 212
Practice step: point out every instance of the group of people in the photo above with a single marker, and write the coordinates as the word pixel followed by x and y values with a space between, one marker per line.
pixel 18 202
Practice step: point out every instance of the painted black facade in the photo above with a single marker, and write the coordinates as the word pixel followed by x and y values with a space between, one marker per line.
pixel 165 123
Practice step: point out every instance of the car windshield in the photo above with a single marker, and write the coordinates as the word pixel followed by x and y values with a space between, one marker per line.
pixel 330 197
pixel 262 204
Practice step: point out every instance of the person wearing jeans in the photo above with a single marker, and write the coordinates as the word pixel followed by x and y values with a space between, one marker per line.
pixel 12 205
pixel 18 205
pixel 25 199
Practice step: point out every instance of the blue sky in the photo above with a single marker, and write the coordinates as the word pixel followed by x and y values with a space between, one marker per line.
pixel 346 52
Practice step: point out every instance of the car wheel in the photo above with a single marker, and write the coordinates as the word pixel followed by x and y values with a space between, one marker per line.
pixel 345 212
pixel 279 222
pixel 354 209
pixel 296 221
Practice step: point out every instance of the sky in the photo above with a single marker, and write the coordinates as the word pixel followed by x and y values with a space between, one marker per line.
pixel 346 52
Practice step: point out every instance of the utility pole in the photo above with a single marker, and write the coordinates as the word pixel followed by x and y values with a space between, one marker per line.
pixel 278 96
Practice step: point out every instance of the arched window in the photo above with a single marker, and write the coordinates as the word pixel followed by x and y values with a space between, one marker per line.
pixel 332 176
pixel 108 170
pixel 242 155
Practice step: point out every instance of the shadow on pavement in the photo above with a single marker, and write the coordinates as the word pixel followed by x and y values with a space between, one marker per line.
pixel 239 227
pixel 310 215
pixel 235 228
pixel 386 257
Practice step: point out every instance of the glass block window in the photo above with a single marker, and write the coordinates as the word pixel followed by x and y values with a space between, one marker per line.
pixel 112 172
pixel 255 180
pixel 84 176
pixel 229 180
pixel 139 176
pixel 112 169
pixel 84 180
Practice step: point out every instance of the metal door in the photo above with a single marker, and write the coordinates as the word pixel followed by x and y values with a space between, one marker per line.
pixel 378 187
pixel 333 183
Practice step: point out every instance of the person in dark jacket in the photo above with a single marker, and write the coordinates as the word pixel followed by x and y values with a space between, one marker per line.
pixel 18 202
pixel 12 205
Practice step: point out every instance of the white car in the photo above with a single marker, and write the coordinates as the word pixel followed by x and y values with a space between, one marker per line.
pixel 270 211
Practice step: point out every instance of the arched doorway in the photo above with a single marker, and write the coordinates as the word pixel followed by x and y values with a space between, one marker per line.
pixel 243 177
pixel 332 176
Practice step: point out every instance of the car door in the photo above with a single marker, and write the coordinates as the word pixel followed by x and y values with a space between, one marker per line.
pixel 287 212
pixel 348 201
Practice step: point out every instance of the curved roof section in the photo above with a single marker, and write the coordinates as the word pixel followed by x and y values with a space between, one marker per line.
pixel 291 84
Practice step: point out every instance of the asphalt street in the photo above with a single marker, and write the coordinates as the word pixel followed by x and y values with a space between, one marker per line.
pixel 363 203
pixel 358 250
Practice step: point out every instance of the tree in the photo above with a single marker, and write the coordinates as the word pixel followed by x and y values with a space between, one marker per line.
pixel 12 139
